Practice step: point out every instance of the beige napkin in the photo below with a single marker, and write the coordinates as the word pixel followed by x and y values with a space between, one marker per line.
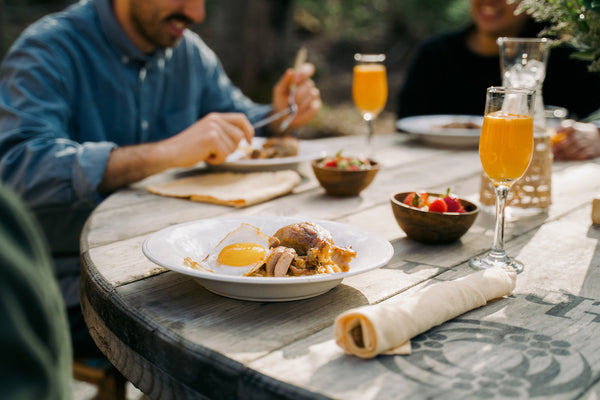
pixel 387 328
pixel 232 189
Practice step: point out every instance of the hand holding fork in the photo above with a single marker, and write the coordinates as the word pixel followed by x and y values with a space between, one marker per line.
pixel 292 108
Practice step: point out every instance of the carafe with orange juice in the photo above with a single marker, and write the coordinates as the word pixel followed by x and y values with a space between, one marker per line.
pixel 369 88
pixel 505 149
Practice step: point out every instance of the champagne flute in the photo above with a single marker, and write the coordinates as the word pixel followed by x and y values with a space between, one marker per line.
pixel 369 88
pixel 505 150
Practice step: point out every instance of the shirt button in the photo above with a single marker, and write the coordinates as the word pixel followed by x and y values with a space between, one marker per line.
pixel 124 59
pixel 142 74
pixel 144 125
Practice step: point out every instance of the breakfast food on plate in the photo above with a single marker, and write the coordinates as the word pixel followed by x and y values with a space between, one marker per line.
pixel 345 163
pixel 460 125
pixel 275 147
pixel 428 202
pixel 241 252
pixel 294 250
pixel 315 249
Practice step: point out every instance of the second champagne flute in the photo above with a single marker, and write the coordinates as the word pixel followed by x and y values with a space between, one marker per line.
pixel 369 88
pixel 505 150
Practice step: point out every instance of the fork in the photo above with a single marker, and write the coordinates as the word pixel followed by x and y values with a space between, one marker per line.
pixel 292 109
pixel 271 118
pixel 300 59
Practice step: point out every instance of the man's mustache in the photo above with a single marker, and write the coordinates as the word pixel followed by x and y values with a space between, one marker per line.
pixel 179 17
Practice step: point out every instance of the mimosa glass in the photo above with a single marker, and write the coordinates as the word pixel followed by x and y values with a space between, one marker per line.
pixel 505 150
pixel 369 88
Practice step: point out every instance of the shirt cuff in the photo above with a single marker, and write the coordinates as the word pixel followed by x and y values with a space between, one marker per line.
pixel 89 170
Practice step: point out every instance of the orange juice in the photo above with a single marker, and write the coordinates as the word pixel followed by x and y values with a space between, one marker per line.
pixel 369 88
pixel 506 146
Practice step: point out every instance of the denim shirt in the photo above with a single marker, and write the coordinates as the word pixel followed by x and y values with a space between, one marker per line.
pixel 73 87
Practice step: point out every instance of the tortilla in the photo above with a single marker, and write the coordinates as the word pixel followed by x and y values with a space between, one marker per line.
pixel 229 188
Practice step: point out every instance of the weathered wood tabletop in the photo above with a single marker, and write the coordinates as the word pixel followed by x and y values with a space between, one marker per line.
pixel 175 340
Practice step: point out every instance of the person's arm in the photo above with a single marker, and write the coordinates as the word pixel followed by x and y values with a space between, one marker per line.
pixel 576 141
pixel 45 159
pixel 210 139
pixel 38 158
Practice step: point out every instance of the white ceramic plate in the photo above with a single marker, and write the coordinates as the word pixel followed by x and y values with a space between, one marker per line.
pixel 169 246
pixel 430 129
pixel 237 161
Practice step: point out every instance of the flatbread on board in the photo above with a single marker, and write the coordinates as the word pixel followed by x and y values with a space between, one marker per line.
pixel 229 188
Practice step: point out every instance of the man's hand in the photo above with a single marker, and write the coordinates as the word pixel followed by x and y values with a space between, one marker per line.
pixel 308 97
pixel 210 139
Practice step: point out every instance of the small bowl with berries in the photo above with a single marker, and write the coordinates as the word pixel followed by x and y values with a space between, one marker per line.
pixel 433 218
pixel 342 175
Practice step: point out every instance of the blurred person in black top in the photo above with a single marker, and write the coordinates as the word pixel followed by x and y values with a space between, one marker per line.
pixel 450 72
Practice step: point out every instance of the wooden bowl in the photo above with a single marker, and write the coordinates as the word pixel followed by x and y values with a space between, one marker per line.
pixel 432 227
pixel 338 182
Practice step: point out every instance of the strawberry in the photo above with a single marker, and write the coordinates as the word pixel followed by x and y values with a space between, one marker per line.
pixel 453 202
pixel 438 205
pixel 416 199
pixel 330 164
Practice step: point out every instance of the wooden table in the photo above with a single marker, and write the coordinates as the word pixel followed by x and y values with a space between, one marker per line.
pixel 175 340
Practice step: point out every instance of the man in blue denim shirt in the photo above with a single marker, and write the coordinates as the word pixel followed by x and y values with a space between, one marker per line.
pixel 107 93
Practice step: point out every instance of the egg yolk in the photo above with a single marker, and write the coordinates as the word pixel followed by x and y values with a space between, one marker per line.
pixel 241 254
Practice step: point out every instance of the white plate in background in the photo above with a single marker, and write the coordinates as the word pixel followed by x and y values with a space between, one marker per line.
pixel 431 129
pixel 307 150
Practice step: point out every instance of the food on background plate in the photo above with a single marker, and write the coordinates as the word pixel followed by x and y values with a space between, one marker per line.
pixel 345 163
pixel 426 202
pixel 275 147
pixel 459 125
pixel 294 250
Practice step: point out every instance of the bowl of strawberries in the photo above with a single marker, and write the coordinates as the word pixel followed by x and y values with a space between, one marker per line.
pixel 433 218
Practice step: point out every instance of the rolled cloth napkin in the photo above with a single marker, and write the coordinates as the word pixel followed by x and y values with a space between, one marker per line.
pixel 387 328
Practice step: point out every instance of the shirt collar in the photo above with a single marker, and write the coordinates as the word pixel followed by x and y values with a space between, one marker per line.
pixel 117 37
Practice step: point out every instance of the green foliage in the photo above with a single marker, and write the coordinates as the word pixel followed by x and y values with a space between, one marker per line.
pixel 364 19
pixel 346 18
pixel 433 15
pixel 574 22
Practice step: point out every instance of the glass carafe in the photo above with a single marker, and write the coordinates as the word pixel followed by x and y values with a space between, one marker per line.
pixel 523 64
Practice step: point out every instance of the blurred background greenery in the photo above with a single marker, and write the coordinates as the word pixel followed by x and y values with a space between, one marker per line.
pixel 257 40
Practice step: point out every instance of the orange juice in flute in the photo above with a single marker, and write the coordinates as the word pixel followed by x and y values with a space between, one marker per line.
pixel 369 88
pixel 506 146
pixel 505 150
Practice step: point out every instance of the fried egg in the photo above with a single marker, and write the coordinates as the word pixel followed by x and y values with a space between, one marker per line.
pixel 240 253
